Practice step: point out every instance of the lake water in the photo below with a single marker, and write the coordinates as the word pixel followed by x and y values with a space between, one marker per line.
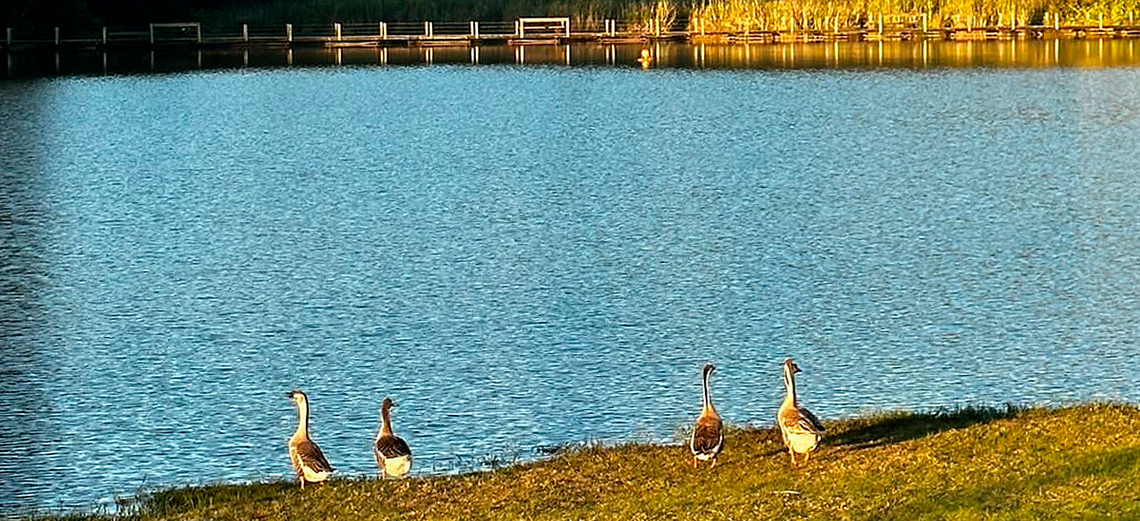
pixel 524 256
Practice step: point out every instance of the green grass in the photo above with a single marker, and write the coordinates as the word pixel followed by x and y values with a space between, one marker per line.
pixel 1080 462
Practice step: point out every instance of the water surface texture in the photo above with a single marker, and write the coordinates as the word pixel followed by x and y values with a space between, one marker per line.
pixel 525 256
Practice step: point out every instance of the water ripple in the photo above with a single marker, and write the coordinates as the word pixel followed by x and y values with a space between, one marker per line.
pixel 524 258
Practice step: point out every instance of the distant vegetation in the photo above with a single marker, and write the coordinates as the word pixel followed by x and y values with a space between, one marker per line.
pixel 825 15
pixel 711 15
pixel 126 13
pixel 1008 463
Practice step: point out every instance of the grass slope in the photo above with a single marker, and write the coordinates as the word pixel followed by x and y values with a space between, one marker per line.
pixel 1078 462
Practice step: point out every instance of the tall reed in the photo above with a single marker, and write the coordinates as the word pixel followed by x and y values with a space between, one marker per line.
pixel 649 16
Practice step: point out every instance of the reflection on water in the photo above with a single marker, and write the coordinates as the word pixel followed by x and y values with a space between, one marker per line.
pixel 24 277
pixel 910 54
pixel 529 256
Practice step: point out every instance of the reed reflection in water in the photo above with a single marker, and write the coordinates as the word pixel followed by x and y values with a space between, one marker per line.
pixel 823 55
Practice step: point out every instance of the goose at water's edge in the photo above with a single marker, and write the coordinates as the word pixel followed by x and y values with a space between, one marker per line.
pixel 308 461
pixel 707 439
pixel 799 428
pixel 392 454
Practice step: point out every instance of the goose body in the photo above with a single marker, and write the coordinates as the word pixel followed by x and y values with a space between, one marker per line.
pixel 308 461
pixel 392 453
pixel 707 439
pixel 799 428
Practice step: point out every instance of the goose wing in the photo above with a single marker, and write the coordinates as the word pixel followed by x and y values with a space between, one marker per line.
pixel 312 458
pixel 708 436
pixel 797 420
pixel 816 424
pixel 392 447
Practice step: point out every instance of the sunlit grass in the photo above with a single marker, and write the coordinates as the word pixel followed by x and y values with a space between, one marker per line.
pixel 1078 462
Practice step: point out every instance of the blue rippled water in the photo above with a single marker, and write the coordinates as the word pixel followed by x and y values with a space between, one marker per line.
pixel 522 257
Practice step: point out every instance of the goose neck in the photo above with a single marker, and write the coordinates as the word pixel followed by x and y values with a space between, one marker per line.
pixel 303 419
pixel 385 422
pixel 707 404
pixel 790 387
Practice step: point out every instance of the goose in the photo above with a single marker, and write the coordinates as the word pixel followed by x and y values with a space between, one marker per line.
pixel 800 428
pixel 392 454
pixel 707 439
pixel 308 461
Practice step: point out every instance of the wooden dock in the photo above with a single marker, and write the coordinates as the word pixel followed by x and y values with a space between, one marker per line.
pixel 523 31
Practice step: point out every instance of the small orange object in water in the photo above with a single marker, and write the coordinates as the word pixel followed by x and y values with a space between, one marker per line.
pixel 645 58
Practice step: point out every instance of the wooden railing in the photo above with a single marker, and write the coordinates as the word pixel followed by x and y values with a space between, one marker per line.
pixel 525 31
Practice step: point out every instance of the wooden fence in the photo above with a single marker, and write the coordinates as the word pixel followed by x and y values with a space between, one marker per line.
pixel 523 31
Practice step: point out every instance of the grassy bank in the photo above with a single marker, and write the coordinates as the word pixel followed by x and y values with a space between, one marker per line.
pixel 1071 463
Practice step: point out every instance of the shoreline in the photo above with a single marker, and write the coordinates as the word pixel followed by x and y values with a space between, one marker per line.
pixel 1068 462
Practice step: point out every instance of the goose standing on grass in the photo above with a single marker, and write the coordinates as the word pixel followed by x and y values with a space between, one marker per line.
pixel 392 454
pixel 707 439
pixel 800 428
pixel 308 461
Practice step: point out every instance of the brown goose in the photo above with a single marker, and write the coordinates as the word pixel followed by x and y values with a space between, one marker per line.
pixel 800 428
pixel 707 439
pixel 308 461
pixel 392 454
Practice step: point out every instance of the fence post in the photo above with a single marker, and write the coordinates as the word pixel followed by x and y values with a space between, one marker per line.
pixel 427 29
pixel 245 33
pixel 104 35
pixel 383 30
pixel 289 33
pixel 336 29
pixel 57 39
pixel 519 28
pixel 152 35
pixel 198 34
pixel 924 25
pixel 10 30
pixel 475 30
